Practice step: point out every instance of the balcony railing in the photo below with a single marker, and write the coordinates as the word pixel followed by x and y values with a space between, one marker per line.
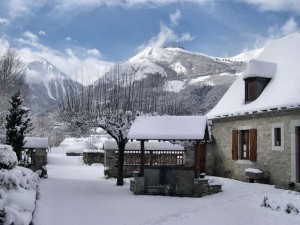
pixel 153 158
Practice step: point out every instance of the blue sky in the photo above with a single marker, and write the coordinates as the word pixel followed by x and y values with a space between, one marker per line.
pixel 89 35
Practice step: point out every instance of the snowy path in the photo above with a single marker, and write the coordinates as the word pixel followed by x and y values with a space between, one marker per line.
pixel 75 194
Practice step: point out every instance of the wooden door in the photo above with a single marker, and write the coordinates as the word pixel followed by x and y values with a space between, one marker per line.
pixel 200 152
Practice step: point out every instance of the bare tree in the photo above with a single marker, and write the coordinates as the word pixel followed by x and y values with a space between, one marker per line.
pixel 12 72
pixel 113 104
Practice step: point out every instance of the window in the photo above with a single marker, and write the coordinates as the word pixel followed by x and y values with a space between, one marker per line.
pixel 277 137
pixel 244 140
pixel 251 93
pixel 244 144
pixel 254 86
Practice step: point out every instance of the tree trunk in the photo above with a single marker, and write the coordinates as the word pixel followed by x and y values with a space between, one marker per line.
pixel 120 174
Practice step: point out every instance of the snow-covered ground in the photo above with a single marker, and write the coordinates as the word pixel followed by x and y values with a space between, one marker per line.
pixel 76 194
pixel 74 145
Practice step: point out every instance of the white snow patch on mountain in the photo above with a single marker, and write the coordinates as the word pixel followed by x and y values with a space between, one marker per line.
pixel 155 54
pixel 178 68
pixel 174 85
pixel 199 79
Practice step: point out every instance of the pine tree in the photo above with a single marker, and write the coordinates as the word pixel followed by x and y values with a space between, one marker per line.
pixel 17 122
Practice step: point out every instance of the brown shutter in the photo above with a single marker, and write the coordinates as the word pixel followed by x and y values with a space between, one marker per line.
pixel 253 145
pixel 235 144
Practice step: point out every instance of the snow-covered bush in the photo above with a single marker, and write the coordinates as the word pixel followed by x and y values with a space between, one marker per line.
pixel 289 208
pixel 18 191
pixel 8 158
pixel 2 199
pixel 17 178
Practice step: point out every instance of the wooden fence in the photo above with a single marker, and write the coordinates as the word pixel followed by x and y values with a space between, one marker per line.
pixel 153 158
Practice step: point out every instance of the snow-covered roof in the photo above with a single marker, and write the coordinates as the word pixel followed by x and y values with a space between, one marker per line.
pixel 283 90
pixel 168 128
pixel 257 68
pixel 36 142
pixel 111 144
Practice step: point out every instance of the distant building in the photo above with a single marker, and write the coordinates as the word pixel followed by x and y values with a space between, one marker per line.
pixel 35 150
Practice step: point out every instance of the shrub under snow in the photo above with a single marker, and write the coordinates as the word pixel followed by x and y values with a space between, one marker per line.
pixel 17 178
pixel 8 158
pixel 18 189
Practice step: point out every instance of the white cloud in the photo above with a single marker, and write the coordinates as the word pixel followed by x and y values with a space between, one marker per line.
pixel 93 52
pixel 274 32
pixel 18 8
pixel 165 36
pixel 275 5
pixel 4 21
pixel 68 39
pixel 77 7
pixel 175 17
pixel 4 44
pixel 42 33
pixel 76 63
pixel 289 27
pixel 31 36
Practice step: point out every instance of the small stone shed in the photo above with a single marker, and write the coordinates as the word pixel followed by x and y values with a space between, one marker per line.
pixel 182 180
pixel 36 149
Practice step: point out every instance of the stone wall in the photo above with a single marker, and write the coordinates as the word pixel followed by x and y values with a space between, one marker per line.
pixel 137 185
pixel 93 157
pixel 189 155
pixel 181 180
pixel 203 188
pixel 111 169
pixel 276 163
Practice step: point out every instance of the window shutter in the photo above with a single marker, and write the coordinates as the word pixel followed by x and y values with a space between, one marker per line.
pixel 235 144
pixel 253 145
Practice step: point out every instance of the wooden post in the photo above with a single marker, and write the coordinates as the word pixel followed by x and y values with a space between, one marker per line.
pixel 142 158
pixel 151 158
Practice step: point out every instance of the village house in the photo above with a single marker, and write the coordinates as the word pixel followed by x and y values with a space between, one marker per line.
pixel 256 124
pixel 35 150
pixel 182 177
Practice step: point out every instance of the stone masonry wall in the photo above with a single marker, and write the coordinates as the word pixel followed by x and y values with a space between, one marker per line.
pixel 203 188
pixel 111 169
pixel 93 157
pixel 277 163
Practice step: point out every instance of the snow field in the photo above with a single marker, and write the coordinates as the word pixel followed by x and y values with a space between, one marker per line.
pixel 76 194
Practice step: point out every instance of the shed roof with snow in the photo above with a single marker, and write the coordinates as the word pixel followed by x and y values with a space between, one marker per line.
pixel 36 142
pixel 279 62
pixel 111 144
pixel 168 128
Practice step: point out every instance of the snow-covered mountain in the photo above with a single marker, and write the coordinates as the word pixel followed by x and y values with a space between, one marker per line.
pixel 181 72
pixel 175 62
pixel 46 85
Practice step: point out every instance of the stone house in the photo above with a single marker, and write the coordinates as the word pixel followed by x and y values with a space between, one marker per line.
pixel 35 150
pixel 256 124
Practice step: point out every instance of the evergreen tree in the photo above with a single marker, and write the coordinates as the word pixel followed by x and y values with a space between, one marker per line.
pixel 17 122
